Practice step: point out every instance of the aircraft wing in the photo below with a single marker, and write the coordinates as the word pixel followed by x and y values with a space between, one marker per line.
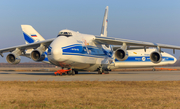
pixel 118 41
pixel 46 43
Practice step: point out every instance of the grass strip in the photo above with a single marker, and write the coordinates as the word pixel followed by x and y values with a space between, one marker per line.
pixel 90 94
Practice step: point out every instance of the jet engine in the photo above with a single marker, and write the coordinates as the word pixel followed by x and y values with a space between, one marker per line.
pixel 38 54
pixel 156 57
pixel 13 58
pixel 121 54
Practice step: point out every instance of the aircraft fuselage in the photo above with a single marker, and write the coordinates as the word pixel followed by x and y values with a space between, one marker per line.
pixel 79 51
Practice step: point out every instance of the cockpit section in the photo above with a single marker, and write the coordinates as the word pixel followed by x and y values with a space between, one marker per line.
pixel 67 34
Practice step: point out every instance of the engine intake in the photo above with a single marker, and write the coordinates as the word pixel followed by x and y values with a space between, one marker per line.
pixel 121 54
pixel 13 58
pixel 37 55
pixel 156 57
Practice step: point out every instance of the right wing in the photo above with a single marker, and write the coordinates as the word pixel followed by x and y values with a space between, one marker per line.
pixel 118 41
pixel 24 47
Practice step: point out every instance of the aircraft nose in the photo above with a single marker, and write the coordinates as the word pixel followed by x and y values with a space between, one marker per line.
pixel 55 53
pixel 175 59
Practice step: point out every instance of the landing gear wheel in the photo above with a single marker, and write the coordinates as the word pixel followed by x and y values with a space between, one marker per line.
pixel 69 73
pixel 72 72
pixel 106 72
pixel 99 72
pixel 76 72
pixel 103 71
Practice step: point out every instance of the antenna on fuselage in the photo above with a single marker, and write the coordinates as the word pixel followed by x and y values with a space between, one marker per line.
pixel 105 23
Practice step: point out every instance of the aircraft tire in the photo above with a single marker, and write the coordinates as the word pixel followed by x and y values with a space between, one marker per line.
pixel 103 72
pixel 99 72
pixel 69 73
pixel 76 72
pixel 73 72
pixel 106 72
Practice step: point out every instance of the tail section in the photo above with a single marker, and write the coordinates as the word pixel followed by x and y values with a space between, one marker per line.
pixel 30 34
pixel 105 23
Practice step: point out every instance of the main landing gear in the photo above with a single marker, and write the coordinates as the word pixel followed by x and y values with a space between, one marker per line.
pixel 100 71
pixel 67 72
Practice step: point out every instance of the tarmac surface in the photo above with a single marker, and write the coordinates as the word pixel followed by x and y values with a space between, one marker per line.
pixel 92 76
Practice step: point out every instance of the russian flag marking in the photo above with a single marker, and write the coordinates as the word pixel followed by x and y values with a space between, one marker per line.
pixel 33 35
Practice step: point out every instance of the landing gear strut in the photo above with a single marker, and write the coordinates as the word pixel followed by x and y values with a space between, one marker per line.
pixel 71 72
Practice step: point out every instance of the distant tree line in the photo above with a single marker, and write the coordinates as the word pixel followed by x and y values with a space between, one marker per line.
pixel 27 64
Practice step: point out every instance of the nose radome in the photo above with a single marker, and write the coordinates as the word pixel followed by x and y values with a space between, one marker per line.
pixel 56 48
pixel 175 59
pixel 56 53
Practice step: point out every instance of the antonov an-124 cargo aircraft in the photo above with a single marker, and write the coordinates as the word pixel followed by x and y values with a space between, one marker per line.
pixel 77 51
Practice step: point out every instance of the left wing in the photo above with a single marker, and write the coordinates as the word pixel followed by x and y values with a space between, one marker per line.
pixel 118 41
pixel 46 43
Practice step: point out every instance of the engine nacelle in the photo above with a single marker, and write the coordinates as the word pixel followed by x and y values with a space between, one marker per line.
pixel 13 58
pixel 37 55
pixel 121 54
pixel 156 57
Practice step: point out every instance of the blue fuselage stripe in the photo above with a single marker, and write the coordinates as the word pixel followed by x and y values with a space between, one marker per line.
pixel 143 59
pixel 93 51
pixel 86 55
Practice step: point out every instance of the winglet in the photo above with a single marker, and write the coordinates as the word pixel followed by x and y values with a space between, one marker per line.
pixel 105 23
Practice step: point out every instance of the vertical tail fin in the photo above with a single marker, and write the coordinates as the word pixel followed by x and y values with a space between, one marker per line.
pixel 105 23
pixel 30 34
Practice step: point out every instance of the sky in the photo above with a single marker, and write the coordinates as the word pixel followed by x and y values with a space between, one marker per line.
pixel 155 21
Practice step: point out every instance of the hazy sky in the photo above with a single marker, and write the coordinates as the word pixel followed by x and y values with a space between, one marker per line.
pixel 144 20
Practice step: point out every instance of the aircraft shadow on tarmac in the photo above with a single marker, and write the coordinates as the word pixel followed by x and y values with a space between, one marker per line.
pixel 5 73
pixel 48 73
pixel 81 73
pixel 29 73
pixel 127 73
pixel 52 73
pixel 43 73
pixel 36 73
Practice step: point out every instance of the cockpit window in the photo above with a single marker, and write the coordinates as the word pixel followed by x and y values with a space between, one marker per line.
pixel 67 34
